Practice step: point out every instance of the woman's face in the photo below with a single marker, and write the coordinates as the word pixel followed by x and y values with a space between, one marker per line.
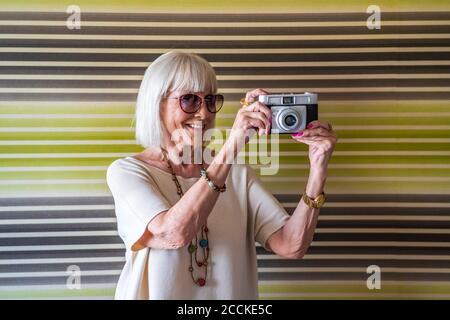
pixel 179 126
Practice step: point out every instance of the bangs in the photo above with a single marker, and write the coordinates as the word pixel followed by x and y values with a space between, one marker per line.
pixel 192 73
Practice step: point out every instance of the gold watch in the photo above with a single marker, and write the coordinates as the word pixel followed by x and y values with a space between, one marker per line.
pixel 314 203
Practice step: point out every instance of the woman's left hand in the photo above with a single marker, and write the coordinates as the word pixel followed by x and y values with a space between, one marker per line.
pixel 321 140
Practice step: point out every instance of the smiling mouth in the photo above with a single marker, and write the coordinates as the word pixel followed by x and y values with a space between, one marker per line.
pixel 195 126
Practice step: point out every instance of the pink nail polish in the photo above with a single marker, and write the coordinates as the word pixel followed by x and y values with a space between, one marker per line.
pixel 298 134
pixel 309 126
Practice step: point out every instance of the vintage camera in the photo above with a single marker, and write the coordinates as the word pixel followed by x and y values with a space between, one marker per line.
pixel 291 112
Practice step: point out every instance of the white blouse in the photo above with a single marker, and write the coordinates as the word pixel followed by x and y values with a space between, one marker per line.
pixel 245 212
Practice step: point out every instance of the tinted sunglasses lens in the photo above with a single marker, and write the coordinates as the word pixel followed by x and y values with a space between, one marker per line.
pixel 214 102
pixel 190 102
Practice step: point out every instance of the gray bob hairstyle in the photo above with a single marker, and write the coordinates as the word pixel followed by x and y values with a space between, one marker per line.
pixel 172 71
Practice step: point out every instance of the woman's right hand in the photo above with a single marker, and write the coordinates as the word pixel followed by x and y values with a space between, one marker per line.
pixel 255 116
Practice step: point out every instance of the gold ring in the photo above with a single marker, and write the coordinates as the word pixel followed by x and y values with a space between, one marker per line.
pixel 244 102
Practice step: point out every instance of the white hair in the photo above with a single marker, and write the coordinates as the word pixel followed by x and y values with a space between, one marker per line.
pixel 172 71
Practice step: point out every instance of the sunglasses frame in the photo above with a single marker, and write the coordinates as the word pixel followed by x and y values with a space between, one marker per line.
pixel 202 99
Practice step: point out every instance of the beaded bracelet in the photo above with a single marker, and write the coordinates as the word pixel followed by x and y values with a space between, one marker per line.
pixel 211 184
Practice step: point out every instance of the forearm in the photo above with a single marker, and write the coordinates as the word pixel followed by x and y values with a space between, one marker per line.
pixel 184 219
pixel 298 232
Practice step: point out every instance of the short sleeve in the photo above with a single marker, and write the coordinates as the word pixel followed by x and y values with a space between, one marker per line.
pixel 268 215
pixel 137 200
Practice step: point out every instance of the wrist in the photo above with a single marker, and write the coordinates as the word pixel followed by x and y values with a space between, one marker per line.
pixel 316 183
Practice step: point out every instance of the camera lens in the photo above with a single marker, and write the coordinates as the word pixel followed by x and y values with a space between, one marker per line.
pixel 290 120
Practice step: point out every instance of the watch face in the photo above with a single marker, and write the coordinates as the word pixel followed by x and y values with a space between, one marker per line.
pixel 320 200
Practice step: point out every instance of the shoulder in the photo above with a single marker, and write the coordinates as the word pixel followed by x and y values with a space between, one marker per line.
pixel 125 168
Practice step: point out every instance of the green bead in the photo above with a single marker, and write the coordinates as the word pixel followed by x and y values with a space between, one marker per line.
pixel 191 248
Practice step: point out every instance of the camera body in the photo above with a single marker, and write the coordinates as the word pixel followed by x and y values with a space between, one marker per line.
pixel 291 112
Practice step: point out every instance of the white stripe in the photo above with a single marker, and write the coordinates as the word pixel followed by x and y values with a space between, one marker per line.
pixel 382 218
pixel 377 204
pixel 231 64
pixel 355 295
pixel 359 257
pixel 70 129
pixel 176 24
pixel 352 282
pixel 283 153
pixel 61 260
pixel 281 166
pixel 395 244
pixel 352 179
pixel 47 287
pixel 282 141
pixel 51 181
pixel 56 221
pixel 63 247
pixel 55 194
pixel 230 90
pixel 263 178
pixel 362 270
pixel 217 38
pixel 65 116
pixel 58 274
pixel 80 207
pixel 324 115
pixel 126 129
pixel 65 155
pixel 57 234
pixel 221 50
pixel 67 142
pixel 59 168
pixel 229 77
pixel 363 166
pixel 384 230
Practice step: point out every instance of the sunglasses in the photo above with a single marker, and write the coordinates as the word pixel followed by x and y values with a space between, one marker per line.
pixel 191 103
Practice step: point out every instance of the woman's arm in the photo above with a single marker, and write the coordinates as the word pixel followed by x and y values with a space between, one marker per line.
pixel 294 238
pixel 176 227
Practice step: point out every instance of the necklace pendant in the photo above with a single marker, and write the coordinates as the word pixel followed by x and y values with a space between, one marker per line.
pixel 201 282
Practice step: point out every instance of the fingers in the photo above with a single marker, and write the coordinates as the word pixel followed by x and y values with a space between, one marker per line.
pixel 263 121
pixel 251 95
pixel 318 131
pixel 258 107
pixel 317 123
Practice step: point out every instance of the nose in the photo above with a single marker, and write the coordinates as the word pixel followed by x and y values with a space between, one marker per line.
pixel 202 112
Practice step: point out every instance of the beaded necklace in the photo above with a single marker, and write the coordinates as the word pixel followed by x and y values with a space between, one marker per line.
pixel 203 243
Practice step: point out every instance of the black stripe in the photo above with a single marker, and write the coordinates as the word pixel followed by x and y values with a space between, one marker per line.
pixel 258 44
pixel 63 226
pixel 330 263
pixel 220 71
pixel 131 98
pixel 86 280
pixel 49 254
pixel 312 83
pixel 102 200
pixel 356 276
pixel 197 31
pixel 241 58
pixel 224 17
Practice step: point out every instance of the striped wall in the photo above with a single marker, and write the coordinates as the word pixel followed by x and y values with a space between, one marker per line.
pixel 66 107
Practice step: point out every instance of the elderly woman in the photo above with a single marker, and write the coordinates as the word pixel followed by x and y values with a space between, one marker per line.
pixel 190 228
